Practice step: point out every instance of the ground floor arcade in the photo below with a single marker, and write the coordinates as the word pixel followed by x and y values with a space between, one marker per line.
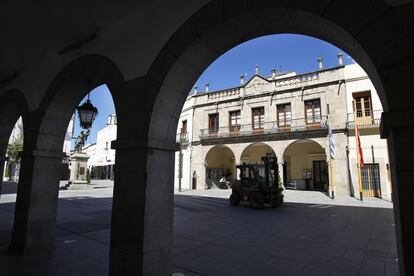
pixel 304 164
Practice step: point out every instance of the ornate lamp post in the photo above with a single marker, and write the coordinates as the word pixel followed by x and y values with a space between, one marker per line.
pixel 87 114
pixel 79 160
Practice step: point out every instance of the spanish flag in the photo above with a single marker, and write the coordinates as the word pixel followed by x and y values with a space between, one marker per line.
pixel 358 145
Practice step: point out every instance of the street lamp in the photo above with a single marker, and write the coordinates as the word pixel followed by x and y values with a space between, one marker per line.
pixel 87 114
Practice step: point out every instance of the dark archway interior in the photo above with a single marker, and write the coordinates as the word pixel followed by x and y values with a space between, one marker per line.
pixel 375 33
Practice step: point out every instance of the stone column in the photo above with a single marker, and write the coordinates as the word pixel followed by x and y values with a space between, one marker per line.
pixel 398 128
pixel 280 168
pixel 143 198
pixel 142 212
pixel 36 203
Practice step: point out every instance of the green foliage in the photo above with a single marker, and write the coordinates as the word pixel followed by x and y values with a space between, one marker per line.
pixel 16 145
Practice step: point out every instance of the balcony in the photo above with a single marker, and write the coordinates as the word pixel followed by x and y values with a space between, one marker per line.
pixel 182 138
pixel 365 119
pixel 268 130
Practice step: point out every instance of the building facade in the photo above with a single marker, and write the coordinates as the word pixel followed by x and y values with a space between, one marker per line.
pixel 101 157
pixel 13 166
pixel 287 115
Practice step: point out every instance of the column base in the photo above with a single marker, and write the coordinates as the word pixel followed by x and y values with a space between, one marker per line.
pixel 79 185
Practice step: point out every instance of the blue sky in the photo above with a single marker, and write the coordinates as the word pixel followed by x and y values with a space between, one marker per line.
pixel 286 51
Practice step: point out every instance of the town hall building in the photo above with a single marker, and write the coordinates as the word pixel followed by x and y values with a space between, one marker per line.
pixel 287 115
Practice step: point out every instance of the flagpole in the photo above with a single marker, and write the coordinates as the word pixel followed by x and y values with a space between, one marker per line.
pixel 331 170
pixel 360 180
pixel 358 157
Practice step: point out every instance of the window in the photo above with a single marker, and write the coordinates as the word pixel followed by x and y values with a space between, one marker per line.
pixel 284 115
pixel 213 123
pixel 362 105
pixel 363 108
pixel 258 118
pixel 234 121
pixel 184 126
pixel 313 111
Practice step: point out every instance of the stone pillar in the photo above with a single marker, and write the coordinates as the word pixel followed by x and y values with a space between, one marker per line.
pixel 143 198
pixel 280 168
pixel 142 212
pixel 398 128
pixel 36 203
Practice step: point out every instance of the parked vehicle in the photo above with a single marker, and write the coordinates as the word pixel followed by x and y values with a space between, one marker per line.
pixel 258 184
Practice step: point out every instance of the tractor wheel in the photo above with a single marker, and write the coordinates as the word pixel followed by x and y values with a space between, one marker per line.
pixel 234 199
pixel 277 201
pixel 257 200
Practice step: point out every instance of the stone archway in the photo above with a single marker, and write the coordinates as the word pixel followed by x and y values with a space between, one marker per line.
pixel 219 163
pixel 45 129
pixel 221 25
pixel 306 165
pixel 13 105
pixel 253 153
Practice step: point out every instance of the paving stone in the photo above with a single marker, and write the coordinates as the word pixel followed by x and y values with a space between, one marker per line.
pixel 213 238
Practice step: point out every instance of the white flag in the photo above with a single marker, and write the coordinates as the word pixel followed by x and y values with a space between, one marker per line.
pixel 331 143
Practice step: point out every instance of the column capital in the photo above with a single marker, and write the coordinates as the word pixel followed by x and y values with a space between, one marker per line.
pixel 396 119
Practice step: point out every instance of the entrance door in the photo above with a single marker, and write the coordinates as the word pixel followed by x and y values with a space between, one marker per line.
pixel 319 174
pixel 370 180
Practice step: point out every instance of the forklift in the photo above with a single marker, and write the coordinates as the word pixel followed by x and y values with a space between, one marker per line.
pixel 258 184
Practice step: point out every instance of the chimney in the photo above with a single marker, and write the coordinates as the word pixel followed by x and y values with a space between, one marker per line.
pixel 207 86
pixel 273 73
pixel 257 70
pixel 241 79
pixel 320 63
pixel 340 59
pixel 195 89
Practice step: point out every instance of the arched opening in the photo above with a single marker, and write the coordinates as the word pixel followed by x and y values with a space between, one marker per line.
pixel 212 43
pixel 42 176
pixel 13 110
pixel 14 148
pixel 253 153
pixel 219 163
pixel 306 166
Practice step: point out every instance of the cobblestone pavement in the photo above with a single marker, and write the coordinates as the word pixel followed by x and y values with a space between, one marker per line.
pixel 310 235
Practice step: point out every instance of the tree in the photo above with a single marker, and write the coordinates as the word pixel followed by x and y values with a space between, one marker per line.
pixel 15 146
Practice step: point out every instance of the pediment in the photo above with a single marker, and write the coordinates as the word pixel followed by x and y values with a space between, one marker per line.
pixel 256 84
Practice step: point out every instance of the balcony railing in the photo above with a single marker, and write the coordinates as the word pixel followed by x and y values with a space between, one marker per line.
pixel 182 138
pixel 365 118
pixel 294 125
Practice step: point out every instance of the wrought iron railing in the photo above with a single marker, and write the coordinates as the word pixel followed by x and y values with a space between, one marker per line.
pixel 266 128
pixel 182 138
pixel 364 118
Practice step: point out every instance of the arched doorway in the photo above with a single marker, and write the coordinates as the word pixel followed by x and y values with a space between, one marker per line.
pixel 219 163
pixel 306 166
pixel 234 23
pixel 41 165
pixel 253 153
